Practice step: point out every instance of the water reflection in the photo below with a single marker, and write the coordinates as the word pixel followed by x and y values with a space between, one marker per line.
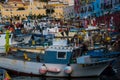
pixel 73 79
pixel 36 78
pixel 44 78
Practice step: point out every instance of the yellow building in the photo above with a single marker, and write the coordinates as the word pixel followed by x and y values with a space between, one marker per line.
pixel 60 7
pixel 58 10
pixel 18 8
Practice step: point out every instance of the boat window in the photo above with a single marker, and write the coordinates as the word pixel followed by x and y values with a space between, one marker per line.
pixel 61 55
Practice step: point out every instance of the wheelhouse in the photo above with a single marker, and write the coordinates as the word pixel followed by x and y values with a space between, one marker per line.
pixel 62 54
pixel 56 54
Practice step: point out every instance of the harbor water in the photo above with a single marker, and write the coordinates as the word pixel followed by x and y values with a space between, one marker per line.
pixel 39 78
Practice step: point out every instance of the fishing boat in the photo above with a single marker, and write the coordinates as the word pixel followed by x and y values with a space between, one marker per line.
pixel 102 52
pixel 55 61
pixel 12 40
pixel 105 49
pixel 3 41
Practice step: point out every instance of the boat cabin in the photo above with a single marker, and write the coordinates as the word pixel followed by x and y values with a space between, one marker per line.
pixel 61 54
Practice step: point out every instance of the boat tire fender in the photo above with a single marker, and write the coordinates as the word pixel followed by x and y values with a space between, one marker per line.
pixel 68 69
pixel 43 69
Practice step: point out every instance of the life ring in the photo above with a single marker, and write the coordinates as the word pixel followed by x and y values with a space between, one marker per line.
pixel 43 69
pixel 68 70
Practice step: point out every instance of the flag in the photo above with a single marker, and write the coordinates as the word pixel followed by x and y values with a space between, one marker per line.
pixel 6 76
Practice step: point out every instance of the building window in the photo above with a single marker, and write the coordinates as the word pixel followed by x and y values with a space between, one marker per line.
pixel 7 10
pixel 82 10
pixel 93 7
pixel 21 8
pixel 115 2
pixel 97 5
pixel 102 5
pixel 15 4
pixel 85 9
pixel 61 55
pixel 89 8
pixel 38 7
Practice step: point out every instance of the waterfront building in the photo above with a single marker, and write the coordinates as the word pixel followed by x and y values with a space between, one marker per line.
pixel 86 8
pixel 110 14
pixel 22 9
pixel 104 11
pixel 62 10
pixel 96 8
pixel 69 2
pixel 69 12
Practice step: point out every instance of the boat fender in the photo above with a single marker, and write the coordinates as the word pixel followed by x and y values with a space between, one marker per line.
pixel 56 70
pixel 43 69
pixel 68 70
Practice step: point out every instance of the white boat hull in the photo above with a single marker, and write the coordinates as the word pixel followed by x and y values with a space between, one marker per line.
pixel 78 70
